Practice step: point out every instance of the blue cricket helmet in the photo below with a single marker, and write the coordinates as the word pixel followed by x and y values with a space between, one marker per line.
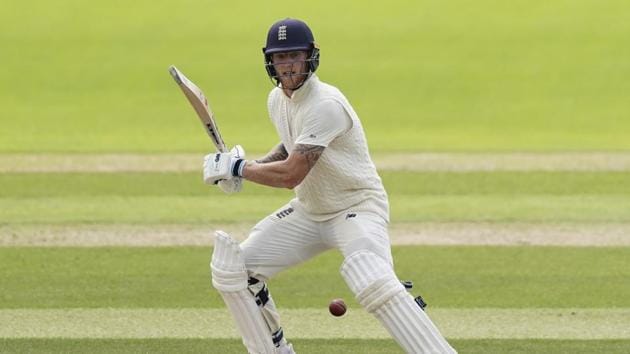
pixel 290 35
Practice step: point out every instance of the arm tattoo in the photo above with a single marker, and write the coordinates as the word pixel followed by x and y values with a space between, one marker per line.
pixel 311 152
pixel 278 153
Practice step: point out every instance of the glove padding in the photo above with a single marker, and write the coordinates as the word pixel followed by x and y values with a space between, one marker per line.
pixel 232 185
pixel 223 165
pixel 235 184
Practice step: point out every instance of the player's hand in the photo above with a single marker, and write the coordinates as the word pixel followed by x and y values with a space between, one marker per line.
pixel 232 185
pixel 223 166
pixel 235 184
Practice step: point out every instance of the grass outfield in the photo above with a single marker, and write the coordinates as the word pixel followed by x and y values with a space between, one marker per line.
pixel 486 299
pixel 423 75
pixel 315 346
pixel 30 185
pixel 584 161
pixel 152 198
pixel 448 277
pixel 313 323
pixel 101 299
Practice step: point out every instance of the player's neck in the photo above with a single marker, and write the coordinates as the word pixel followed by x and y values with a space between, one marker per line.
pixel 287 92
pixel 290 91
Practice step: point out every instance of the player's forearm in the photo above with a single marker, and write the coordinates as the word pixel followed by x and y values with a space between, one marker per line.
pixel 277 174
pixel 278 153
pixel 287 173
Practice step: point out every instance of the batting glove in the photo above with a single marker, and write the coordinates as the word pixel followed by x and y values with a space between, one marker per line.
pixel 235 184
pixel 223 165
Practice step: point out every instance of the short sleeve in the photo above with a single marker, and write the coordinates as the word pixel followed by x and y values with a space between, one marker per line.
pixel 323 123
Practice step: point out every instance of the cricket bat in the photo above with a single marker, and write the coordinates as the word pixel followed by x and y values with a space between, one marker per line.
pixel 199 102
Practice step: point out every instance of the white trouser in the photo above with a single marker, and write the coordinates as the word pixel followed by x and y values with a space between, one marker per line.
pixel 287 237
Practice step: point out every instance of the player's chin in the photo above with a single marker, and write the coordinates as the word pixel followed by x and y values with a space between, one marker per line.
pixel 292 82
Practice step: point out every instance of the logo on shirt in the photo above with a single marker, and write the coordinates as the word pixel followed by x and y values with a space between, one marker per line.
pixel 282 33
pixel 312 136
pixel 284 213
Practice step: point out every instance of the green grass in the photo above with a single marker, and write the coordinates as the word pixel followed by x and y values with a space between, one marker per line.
pixel 456 277
pixel 149 198
pixel 340 346
pixel 226 209
pixel 30 185
pixel 542 346
pixel 423 75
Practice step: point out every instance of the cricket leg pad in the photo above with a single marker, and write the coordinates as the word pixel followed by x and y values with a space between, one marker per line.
pixel 379 291
pixel 229 277
pixel 265 302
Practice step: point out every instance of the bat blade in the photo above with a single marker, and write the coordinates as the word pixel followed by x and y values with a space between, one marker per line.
pixel 200 103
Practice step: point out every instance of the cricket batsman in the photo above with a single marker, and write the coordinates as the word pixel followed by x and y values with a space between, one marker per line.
pixel 339 203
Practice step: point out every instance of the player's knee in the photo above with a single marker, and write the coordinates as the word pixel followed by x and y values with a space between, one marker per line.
pixel 367 244
pixel 249 254
pixel 371 279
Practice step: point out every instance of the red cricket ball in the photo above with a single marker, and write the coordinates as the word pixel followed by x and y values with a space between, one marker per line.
pixel 337 307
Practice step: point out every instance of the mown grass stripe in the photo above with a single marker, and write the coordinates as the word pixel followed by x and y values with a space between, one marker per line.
pixel 414 233
pixel 227 209
pixel 313 323
pixel 304 346
pixel 418 161
pixel 447 277
pixel 405 183
pixel 398 183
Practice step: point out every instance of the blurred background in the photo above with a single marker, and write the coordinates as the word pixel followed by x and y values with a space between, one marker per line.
pixel 423 75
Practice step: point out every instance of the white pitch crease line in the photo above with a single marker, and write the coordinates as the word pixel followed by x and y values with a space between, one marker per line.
pixel 409 161
pixel 313 323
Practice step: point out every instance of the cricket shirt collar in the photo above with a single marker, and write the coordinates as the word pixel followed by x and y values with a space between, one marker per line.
pixel 300 94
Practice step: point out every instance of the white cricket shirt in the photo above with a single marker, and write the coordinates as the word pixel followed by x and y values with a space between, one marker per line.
pixel 344 178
